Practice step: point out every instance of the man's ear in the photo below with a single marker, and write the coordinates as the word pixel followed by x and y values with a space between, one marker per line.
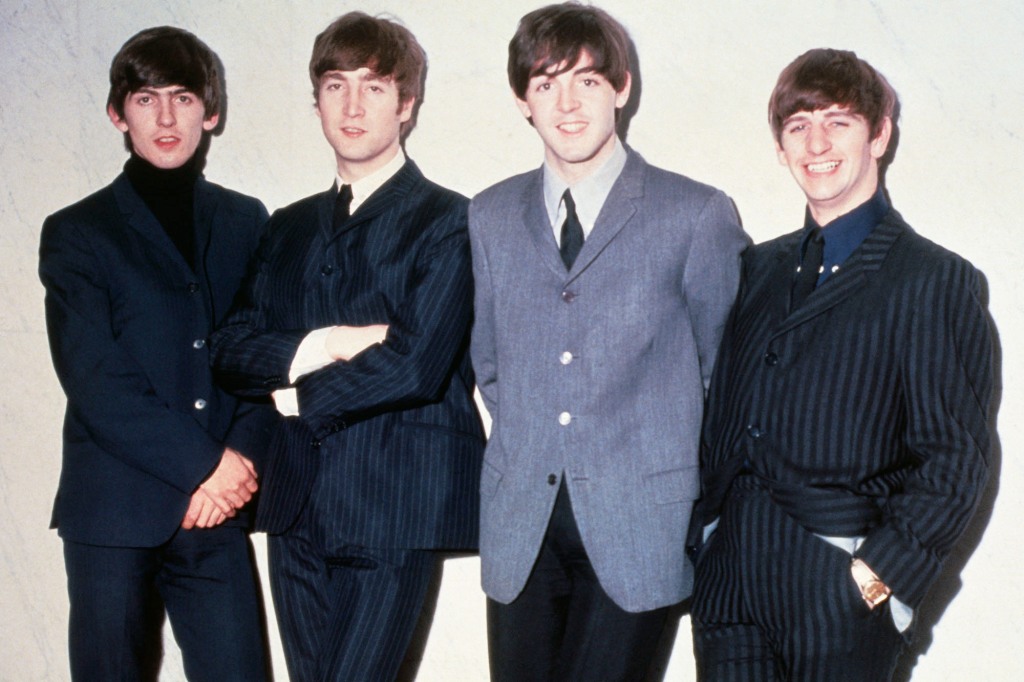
pixel 523 107
pixel 211 123
pixel 405 110
pixel 622 96
pixel 881 141
pixel 781 153
pixel 118 122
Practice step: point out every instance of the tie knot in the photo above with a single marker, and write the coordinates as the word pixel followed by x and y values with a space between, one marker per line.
pixel 342 203
pixel 570 205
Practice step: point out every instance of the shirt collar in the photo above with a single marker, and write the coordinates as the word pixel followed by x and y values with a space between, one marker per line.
pixel 844 234
pixel 364 187
pixel 589 193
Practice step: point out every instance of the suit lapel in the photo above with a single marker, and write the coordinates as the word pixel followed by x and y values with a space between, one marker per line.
pixel 387 195
pixel 852 276
pixel 538 224
pixel 619 207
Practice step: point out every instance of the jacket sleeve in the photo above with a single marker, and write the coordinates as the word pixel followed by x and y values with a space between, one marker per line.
pixel 482 348
pixel 108 391
pixel 947 379
pixel 250 358
pixel 712 276
pixel 426 332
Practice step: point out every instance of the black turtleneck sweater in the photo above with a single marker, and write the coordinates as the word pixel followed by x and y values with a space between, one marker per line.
pixel 169 194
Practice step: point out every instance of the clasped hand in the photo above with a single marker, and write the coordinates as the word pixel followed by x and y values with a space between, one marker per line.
pixel 218 498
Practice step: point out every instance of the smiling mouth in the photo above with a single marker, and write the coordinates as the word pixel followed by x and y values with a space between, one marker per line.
pixel 353 131
pixel 823 167
pixel 572 127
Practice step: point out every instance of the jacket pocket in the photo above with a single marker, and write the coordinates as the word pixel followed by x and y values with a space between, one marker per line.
pixel 673 485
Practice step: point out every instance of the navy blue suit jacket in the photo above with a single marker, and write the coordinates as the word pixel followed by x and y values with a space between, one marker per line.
pixel 128 323
pixel 392 437
pixel 864 411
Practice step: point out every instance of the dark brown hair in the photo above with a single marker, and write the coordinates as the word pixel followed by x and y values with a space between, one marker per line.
pixel 819 78
pixel 356 40
pixel 162 56
pixel 555 36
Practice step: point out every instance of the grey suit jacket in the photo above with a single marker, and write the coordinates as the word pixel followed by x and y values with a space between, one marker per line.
pixel 599 373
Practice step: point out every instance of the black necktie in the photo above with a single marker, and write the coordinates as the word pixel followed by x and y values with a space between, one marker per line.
pixel 341 205
pixel 810 266
pixel 572 232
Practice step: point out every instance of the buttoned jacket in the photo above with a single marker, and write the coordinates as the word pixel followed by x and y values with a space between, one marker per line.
pixel 598 374
pixel 388 444
pixel 128 322
pixel 864 410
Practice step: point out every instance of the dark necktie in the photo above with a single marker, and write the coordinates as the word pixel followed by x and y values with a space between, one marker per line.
pixel 341 206
pixel 807 276
pixel 572 232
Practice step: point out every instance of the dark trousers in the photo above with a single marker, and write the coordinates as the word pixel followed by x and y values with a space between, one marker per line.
pixel 350 615
pixel 206 581
pixel 563 626
pixel 774 602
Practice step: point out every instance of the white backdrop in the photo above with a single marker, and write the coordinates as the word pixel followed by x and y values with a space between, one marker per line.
pixel 705 72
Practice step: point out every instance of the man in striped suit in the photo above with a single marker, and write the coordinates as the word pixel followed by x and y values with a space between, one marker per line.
pixel 846 439
pixel 356 320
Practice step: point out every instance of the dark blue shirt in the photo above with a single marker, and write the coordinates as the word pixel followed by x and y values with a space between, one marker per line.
pixel 844 234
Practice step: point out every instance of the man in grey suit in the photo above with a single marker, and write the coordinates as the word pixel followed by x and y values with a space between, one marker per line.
pixel 602 287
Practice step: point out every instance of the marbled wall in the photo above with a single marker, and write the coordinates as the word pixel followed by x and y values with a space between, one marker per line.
pixel 705 73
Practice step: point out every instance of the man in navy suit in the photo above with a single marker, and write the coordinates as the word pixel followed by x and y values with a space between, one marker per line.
pixel 157 459
pixel 356 320
pixel 602 287
pixel 847 438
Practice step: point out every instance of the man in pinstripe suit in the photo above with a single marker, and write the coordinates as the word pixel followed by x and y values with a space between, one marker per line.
pixel 846 439
pixel 356 320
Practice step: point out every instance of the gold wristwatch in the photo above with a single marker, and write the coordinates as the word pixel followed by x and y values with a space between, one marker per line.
pixel 872 589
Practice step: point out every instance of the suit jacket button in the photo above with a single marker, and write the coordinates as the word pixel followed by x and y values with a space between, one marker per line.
pixel 314 443
pixel 565 358
pixel 326 270
pixel 564 418
pixel 199 343
pixel 771 359
pixel 552 479
pixel 568 296
pixel 193 287
pixel 754 431
pixel 199 404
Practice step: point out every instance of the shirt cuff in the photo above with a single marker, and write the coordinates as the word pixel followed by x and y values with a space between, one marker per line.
pixel 310 356
pixel 286 400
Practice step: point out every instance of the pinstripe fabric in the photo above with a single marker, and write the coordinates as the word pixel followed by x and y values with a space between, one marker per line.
pixel 862 412
pixel 350 618
pixel 392 437
pixel 384 458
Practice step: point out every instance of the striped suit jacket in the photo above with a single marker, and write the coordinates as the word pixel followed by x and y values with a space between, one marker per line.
pixel 865 410
pixel 390 442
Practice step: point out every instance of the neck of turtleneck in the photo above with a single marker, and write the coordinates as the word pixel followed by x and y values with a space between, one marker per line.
pixel 170 195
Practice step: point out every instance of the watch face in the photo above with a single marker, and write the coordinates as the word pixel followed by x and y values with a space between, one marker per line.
pixel 875 592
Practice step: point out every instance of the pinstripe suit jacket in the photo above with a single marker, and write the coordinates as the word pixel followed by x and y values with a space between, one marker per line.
pixel 640 315
pixel 389 443
pixel 865 410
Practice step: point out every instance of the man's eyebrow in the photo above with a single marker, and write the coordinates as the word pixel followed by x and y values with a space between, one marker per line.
pixel 155 90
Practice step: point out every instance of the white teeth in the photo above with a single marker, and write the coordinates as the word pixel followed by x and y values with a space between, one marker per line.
pixel 572 127
pixel 822 167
